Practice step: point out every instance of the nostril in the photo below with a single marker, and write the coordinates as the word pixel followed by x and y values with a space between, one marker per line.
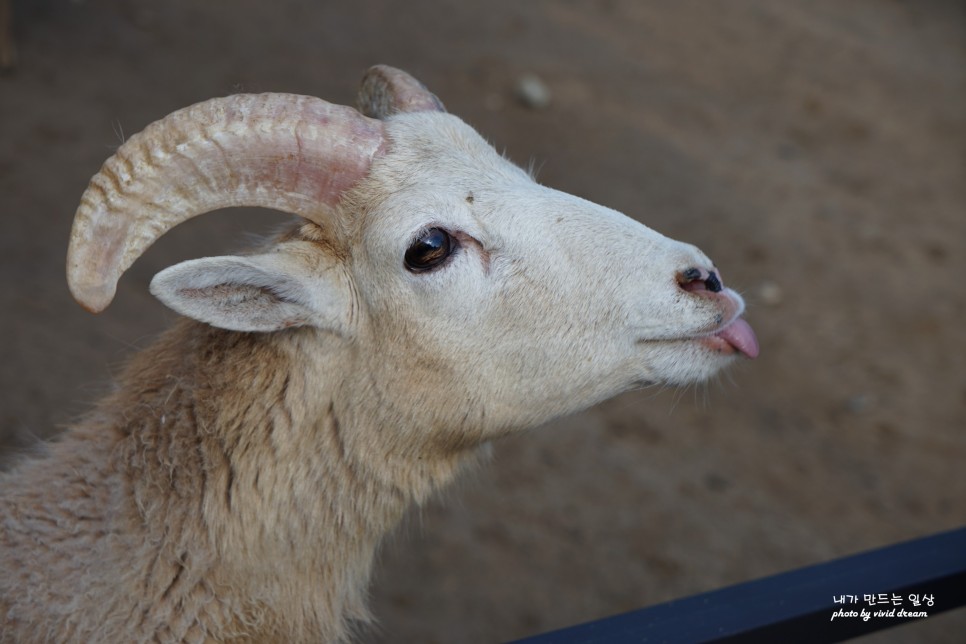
pixel 690 275
pixel 695 279
pixel 713 283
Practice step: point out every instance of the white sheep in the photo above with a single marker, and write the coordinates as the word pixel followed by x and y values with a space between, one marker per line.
pixel 238 482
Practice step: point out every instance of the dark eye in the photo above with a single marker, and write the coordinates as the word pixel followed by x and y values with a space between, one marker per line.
pixel 429 251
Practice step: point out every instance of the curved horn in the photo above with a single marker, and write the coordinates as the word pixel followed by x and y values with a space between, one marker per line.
pixel 386 90
pixel 292 153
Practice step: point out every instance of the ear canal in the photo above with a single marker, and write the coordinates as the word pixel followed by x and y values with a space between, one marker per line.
pixel 292 153
pixel 386 91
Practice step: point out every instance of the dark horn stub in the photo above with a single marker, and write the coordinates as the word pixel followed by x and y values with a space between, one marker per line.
pixel 386 91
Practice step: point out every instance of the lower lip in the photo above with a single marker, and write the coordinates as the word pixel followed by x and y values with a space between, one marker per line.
pixel 718 345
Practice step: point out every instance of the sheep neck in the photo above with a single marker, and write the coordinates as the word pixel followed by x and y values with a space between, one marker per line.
pixel 251 448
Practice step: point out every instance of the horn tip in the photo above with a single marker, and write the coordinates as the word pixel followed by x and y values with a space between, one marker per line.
pixel 92 297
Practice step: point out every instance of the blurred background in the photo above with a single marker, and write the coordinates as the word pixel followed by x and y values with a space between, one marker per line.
pixel 815 150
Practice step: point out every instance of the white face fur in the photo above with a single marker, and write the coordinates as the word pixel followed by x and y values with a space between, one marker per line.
pixel 545 304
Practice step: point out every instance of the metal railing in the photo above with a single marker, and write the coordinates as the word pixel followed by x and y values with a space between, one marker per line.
pixel 826 602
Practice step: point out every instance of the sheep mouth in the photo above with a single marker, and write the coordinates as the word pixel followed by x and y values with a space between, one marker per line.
pixel 735 337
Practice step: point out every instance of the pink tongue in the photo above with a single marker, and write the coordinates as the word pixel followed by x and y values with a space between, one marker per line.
pixel 740 335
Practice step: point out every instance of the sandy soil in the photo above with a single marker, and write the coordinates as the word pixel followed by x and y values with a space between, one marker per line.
pixel 816 150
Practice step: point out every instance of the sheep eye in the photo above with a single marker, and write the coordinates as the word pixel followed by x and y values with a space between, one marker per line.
pixel 429 251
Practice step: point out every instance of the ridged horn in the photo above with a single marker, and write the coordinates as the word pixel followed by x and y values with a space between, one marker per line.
pixel 292 153
pixel 386 90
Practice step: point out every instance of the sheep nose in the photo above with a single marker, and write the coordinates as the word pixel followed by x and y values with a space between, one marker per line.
pixel 698 279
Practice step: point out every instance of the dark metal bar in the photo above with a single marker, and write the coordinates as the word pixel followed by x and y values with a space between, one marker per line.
pixel 798 606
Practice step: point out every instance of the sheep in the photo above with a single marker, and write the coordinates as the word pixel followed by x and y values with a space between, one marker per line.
pixel 431 298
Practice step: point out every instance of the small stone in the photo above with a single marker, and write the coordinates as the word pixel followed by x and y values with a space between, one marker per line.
pixel 533 92
pixel 770 293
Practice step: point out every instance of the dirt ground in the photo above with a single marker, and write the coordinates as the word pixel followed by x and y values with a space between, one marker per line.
pixel 815 150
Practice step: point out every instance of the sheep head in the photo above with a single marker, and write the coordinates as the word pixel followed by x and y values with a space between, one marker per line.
pixel 472 296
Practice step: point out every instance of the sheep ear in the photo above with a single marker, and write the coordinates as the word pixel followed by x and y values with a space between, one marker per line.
pixel 257 293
